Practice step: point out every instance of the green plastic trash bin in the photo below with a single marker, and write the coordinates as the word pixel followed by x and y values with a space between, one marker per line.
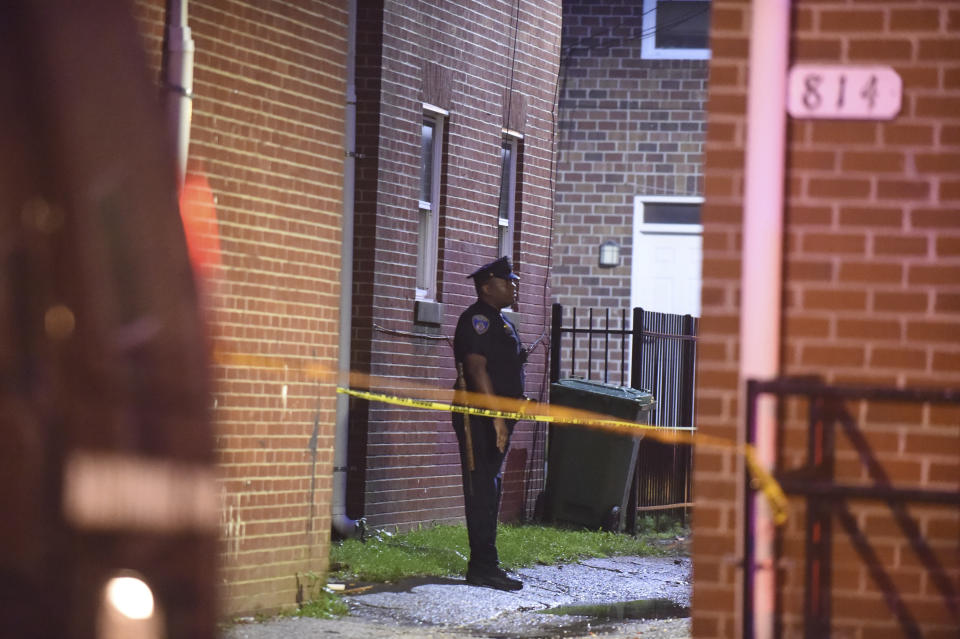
pixel 589 470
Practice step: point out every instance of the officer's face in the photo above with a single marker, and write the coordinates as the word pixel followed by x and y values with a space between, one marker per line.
pixel 502 291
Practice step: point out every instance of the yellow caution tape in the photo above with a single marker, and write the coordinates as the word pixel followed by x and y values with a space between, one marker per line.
pixel 491 412
pixel 491 406
pixel 765 483
pixel 762 480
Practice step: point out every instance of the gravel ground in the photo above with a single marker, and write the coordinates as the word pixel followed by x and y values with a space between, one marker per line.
pixel 442 608
pixel 354 628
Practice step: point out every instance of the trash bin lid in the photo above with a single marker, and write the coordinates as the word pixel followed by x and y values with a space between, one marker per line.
pixel 613 391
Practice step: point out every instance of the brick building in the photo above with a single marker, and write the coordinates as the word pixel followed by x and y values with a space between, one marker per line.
pixel 454 147
pixel 267 134
pixel 448 96
pixel 630 147
pixel 870 292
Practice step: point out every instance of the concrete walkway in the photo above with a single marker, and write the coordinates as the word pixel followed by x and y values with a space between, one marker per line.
pixel 441 608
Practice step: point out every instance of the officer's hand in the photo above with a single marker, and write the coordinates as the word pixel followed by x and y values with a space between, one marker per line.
pixel 500 427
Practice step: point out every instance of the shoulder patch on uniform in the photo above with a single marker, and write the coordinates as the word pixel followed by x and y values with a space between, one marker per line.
pixel 480 324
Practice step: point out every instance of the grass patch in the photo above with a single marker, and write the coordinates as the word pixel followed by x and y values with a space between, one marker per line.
pixel 435 551
pixel 662 526
pixel 442 551
pixel 316 600
pixel 324 605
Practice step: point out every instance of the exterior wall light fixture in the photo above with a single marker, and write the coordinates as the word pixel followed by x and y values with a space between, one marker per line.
pixel 609 254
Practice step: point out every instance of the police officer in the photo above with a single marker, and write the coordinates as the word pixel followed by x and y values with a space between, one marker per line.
pixel 489 360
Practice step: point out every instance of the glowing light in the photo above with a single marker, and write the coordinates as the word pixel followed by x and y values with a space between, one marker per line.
pixel 199 214
pixel 609 254
pixel 131 597
pixel 59 322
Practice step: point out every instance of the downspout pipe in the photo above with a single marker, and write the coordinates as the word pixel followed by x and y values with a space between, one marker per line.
pixel 342 525
pixel 178 52
pixel 761 276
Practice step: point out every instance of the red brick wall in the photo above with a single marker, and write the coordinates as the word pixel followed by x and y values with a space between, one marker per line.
pixel 629 127
pixel 404 467
pixel 268 134
pixel 872 227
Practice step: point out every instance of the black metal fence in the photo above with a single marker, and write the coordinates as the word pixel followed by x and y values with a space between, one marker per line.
pixel 830 499
pixel 645 350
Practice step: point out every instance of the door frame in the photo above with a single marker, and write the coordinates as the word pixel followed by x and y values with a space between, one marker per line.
pixel 640 227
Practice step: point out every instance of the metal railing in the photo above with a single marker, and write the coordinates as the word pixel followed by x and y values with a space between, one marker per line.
pixel 826 502
pixel 655 352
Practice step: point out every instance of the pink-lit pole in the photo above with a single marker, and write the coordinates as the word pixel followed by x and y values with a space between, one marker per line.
pixel 761 279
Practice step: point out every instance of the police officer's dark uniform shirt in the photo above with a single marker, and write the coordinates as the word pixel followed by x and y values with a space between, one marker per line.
pixel 483 330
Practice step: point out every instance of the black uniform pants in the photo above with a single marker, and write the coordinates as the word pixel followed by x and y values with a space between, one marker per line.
pixel 482 489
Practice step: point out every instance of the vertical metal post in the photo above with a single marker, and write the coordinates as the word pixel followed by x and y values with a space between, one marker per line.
pixel 606 347
pixel 761 284
pixel 820 463
pixel 590 344
pixel 636 381
pixel 688 364
pixel 749 516
pixel 178 52
pixel 687 353
pixel 623 346
pixel 636 350
pixel 556 321
pixel 573 342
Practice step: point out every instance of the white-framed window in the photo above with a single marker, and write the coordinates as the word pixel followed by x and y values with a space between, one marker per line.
pixel 676 30
pixel 507 216
pixel 431 165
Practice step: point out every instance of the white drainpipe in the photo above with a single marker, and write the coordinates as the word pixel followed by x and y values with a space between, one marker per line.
pixel 761 278
pixel 343 525
pixel 178 81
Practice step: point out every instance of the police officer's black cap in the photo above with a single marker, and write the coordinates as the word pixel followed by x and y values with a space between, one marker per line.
pixel 500 268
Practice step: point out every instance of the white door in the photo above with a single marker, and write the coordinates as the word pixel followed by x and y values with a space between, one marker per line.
pixel 667 259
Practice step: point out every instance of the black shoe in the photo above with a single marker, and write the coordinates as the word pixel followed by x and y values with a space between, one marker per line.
pixel 499 580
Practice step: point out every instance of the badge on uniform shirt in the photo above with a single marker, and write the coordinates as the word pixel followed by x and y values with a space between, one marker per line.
pixel 480 324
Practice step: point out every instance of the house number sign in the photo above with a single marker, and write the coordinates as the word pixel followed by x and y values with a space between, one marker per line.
pixel 843 92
